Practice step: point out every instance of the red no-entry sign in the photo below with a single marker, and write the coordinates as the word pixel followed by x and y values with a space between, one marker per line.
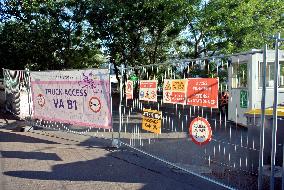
pixel 200 131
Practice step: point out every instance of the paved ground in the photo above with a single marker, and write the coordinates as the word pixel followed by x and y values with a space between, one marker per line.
pixel 56 160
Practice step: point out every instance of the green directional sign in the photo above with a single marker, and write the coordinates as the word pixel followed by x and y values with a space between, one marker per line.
pixel 134 78
pixel 244 99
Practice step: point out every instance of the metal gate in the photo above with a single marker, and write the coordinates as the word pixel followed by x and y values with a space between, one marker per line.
pixel 236 156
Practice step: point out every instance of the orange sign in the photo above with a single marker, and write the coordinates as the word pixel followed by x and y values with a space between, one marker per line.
pixel 175 91
pixel 202 92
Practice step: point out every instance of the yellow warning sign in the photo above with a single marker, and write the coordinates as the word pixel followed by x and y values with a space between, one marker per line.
pixel 179 85
pixel 151 121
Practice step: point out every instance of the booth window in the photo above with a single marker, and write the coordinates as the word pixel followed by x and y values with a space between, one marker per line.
pixel 239 75
pixel 270 74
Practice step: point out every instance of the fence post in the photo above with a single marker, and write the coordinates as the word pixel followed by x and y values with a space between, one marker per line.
pixel 261 135
pixel 120 102
pixel 5 93
pixel 27 74
pixel 110 90
pixel 274 129
pixel 281 40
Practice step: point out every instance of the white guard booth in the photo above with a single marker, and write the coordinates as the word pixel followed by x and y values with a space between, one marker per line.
pixel 245 83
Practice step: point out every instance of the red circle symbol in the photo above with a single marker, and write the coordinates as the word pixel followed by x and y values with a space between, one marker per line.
pixel 200 131
pixel 40 100
pixel 129 86
pixel 95 104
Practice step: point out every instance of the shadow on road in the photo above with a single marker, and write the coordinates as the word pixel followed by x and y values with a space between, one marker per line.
pixel 114 168
pixel 117 166
pixel 30 155
pixel 13 137
pixel 7 116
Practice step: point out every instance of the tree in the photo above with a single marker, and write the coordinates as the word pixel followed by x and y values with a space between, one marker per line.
pixel 222 27
pixel 47 35
pixel 248 24
pixel 137 32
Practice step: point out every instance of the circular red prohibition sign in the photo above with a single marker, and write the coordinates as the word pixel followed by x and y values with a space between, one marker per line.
pixel 200 131
pixel 40 100
pixel 95 104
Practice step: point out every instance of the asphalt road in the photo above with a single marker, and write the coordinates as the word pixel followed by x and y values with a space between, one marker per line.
pixel 59 160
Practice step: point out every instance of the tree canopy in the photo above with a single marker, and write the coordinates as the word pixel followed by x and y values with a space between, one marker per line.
pixel 48 34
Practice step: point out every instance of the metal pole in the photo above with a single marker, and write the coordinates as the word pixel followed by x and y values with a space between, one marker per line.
pixel 274 129
pixel 282 155
pixel 5 91
pixel 172 62
pixel 261 135
pixel 120 102
pixel 29 91
pixel 109 73
pixel 282 166
pixel 27 74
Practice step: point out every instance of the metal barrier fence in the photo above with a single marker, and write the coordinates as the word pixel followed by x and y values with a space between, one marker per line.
pixel 219 161
pixel 230 157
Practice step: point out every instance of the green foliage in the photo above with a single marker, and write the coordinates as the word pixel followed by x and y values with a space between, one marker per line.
pixel 248 24
pixel 222 27
pixel 47 35
pixel 137 32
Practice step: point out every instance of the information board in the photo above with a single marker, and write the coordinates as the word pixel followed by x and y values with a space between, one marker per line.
pixel 203 92
pixel 129 90
pixel 80 97
pixel 244 99
pixel 151 121
pixel 174 91
pixel 148 90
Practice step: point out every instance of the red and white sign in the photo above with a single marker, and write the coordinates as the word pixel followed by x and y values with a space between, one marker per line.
pixel 174 91
pixel 148 90
pixel 202 92
pixel 200 131
pixel 80 97
pixel 129 90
